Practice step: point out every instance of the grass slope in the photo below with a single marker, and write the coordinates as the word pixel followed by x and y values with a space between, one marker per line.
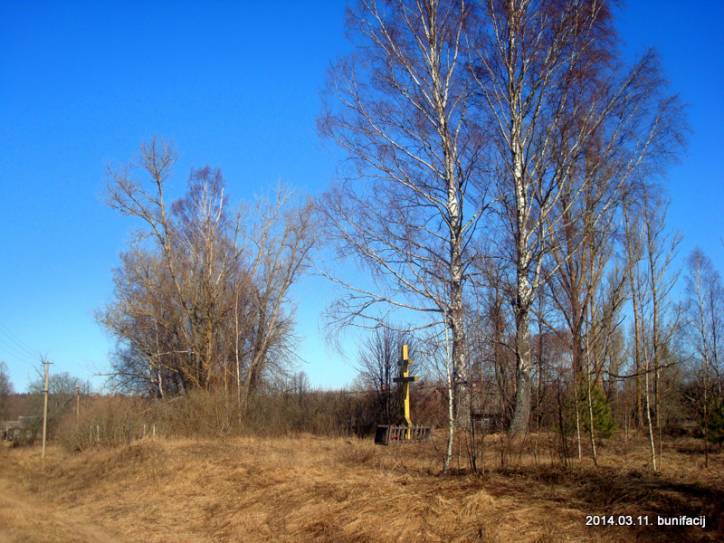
pixel 341 490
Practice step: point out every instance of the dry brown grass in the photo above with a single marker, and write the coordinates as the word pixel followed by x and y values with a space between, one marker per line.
pixel 342 490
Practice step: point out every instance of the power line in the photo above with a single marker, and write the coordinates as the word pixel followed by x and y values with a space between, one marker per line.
pixel 15 353
pixel 21 345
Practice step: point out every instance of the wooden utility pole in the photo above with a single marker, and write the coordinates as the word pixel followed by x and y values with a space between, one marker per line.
pixel 77 404
pixel 45 405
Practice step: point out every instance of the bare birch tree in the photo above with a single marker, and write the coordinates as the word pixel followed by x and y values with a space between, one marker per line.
pixel 661 249
pixel 650 251
pixel 401 112
pixel 705 327
pixel 550 83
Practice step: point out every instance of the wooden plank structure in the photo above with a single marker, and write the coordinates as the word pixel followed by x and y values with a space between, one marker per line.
pixel 386 434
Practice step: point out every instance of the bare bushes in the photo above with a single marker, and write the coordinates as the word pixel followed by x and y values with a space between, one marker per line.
pixel 117 420
pixel 197 414
pixel 107 421
pixel 202 414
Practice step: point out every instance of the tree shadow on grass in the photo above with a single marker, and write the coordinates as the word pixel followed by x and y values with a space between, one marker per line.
pixel 607 491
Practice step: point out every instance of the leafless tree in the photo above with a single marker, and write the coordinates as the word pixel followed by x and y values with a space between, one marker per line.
pixel 550 84
pixel 490 333
pixel 379 364
pixel 400 108
pixel 62 389
pixel 282 240
pixel 634 253
pixel 6 388
pixel 661 249
pixel 705 327
pixel 650 251
pixel 202 295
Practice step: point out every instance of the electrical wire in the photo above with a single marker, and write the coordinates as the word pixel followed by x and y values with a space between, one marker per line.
pixel 22 346
pixel 15 349
pixel 13 353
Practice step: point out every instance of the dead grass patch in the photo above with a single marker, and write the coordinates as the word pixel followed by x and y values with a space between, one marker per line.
pixel 347 490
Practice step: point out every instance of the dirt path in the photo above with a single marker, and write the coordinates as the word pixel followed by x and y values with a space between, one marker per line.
pixel 23 518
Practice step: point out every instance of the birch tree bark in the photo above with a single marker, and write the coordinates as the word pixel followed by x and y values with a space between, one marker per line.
pixel 558 106
pixel 660 252
pixel 399 107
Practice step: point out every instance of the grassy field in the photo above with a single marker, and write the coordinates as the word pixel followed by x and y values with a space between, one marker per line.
pixel 342 490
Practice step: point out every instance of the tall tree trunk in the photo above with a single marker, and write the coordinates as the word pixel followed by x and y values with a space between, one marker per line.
pixel 540 368
pixel 521 415
pixel 647 406
pixel 648 416
pixel 591 420
pixel 631 271
pixel 638 364
pixel 706 415
pixel 237 357
pixel 450 404
pixel 578 425
pixel 655 337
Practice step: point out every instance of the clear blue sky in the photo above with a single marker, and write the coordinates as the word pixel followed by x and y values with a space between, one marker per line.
pixel 234 85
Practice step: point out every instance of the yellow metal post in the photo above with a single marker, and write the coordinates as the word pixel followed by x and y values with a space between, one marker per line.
pixel 405 363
